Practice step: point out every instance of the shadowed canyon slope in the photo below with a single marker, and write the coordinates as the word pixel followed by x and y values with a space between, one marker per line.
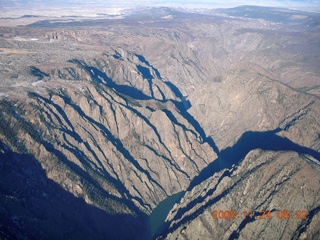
pixel 101 120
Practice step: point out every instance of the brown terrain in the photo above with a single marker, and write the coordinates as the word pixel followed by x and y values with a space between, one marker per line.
pixel 106 123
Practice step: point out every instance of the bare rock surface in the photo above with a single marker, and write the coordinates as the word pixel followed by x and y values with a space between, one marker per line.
pixel 265 185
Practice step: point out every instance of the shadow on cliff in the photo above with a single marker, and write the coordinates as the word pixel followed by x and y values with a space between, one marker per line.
pixel 183 106
pixel 35 207
pixel 268 140
pixel 226 159
pixel 100 77
pixel 81 155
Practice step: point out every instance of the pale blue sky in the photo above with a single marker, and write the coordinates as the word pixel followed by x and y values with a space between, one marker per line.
pixel 182 3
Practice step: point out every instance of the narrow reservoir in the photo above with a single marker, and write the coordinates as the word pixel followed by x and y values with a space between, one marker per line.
pixel 156 220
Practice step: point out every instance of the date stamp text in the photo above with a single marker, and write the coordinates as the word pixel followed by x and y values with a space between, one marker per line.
pixel 263 214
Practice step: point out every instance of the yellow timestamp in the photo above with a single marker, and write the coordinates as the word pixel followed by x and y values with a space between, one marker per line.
pixel 263 214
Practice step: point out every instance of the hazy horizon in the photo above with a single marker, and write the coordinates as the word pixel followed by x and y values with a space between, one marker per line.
pixel 182 3
pixel 16 8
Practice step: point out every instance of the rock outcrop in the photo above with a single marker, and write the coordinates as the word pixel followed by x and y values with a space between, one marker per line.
pixel 270 194
pixel 117 147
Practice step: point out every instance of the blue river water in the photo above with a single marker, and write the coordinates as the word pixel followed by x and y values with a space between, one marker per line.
pixel 156 220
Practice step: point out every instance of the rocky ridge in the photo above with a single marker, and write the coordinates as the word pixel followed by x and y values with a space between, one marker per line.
pixel 261 184
pixel 117 147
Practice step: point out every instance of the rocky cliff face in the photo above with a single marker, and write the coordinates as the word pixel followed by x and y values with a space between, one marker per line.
pixel 270 197
pixel 260 102
pixel 100 125
pixel 114 145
